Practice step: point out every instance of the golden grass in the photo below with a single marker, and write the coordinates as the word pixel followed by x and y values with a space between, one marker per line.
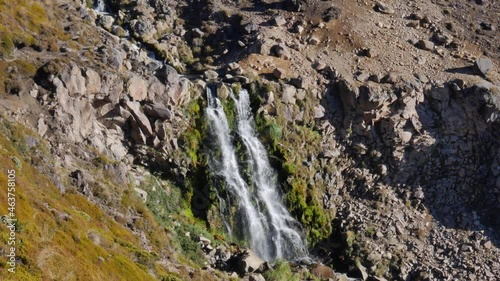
pixel 50 247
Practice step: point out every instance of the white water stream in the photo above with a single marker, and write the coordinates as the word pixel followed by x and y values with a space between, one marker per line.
pixel 264 222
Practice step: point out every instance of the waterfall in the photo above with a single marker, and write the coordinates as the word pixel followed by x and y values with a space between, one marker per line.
pixel 100 6
pixel 265 223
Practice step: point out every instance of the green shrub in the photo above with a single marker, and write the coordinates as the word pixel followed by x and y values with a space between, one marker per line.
pixel 281 272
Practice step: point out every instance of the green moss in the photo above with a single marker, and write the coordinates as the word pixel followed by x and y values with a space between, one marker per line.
pixel 289 168
pixel 281 271
pixel 369 231
pixel 230 111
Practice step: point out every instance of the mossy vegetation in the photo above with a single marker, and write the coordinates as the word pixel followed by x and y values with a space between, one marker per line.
pixel 281 271
pixel 26 23
pixel 63 235
pixel 172 211
pixel 54 239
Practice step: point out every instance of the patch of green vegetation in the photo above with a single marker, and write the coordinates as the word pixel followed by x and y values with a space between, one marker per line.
pixel 54 244
pixel 370 231
pixel 281 271
pixel 172 211
pixel 230 111
pixel 26 23
pixel 192 141
pixel 6 44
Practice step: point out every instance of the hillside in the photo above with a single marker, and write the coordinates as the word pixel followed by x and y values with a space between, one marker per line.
pixel 380 123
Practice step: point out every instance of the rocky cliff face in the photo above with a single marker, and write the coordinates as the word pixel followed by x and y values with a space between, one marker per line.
pixel 382 120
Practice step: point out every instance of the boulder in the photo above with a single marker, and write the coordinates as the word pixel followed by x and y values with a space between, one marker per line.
pixel 280 51
pixel 119 31
pixel 322 271
pixel 111 87
pixel 137 88
pixel 223 91
pixel 279 73
pixel 143 29
pixel 278 21
pixel 288 95
pixel 483 66
pixel 302 82
pixel 93 81
pixel 425 45
pixel 73 80
pixel 157 112
pixel 371 97
pixel 211 75
pixel 256 277
pixel 314 40
pixel 168 75
pixel 250 27
pixel 348 94
pixel 383 8
pixel 139 117
pixel 319 112
pixel 249 262
pixel 106 21
pixel 115 58
pixel 142 194
pixel 156 89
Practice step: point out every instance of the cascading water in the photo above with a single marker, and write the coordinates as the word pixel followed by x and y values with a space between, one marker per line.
pixel 265 223
pixel 287 240
pixel 100 6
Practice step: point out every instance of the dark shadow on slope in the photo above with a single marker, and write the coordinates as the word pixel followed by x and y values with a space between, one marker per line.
pixel 456 171
pixel 462 70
